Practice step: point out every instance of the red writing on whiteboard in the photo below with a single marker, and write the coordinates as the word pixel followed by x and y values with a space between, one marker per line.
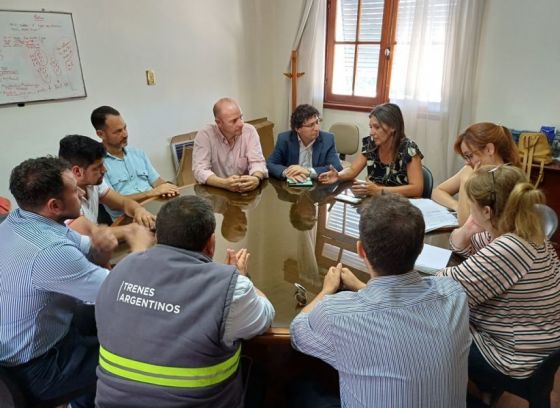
pixel 39 61
pixel 65 50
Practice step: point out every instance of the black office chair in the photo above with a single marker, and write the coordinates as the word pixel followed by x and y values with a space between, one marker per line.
pixel 428 182
pixel 535 389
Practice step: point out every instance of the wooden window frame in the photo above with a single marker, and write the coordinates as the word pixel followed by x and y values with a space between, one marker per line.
pixel 387 42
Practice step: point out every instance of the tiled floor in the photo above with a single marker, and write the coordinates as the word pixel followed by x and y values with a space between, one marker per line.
pixel 511 401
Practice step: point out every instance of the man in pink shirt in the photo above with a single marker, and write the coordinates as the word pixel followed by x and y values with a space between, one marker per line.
pixel 228 154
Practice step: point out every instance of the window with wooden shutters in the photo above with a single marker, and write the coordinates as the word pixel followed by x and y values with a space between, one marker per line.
pixel 360 40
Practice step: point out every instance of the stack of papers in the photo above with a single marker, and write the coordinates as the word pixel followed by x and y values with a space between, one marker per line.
pixel 432 259
pixel 305 183
pixel 435 216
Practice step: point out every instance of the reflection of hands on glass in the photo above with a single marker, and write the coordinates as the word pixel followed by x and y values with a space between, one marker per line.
pixel 220 197
pixel 293 190
pixel 331 284
pixel 366 188
pixel 350 281
pixel 239 259
pixel 329 177
pixel 243 200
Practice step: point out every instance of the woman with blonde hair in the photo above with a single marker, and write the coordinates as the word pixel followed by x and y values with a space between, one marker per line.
pixel 511 276
pixel 480 144
pixel 394 162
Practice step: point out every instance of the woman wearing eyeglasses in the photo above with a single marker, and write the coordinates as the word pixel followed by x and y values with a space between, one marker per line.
pixel 480 144
pixel 394 162
pixel 511 276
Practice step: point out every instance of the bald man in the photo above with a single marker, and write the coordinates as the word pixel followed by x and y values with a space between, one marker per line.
pixel 228 154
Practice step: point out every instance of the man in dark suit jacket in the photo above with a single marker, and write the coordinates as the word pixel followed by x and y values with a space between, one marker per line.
pixel 305 151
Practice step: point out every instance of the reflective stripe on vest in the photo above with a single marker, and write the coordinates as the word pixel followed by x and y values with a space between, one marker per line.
pixel 168 376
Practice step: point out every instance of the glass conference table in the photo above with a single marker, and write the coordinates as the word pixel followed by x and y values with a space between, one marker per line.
pixel 293 235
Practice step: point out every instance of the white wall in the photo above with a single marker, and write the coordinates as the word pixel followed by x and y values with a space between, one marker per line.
pixel 519 64
pixel 281 33
pixel 518 72
pixel 200 51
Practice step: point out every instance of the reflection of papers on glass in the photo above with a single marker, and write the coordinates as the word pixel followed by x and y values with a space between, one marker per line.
pixel 305 183
pixel 435 215
pixel 348 197
pixel 353 260
pixel 331 252
pixel 432 259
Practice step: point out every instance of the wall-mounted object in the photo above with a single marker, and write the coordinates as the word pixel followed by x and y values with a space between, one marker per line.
pixel 150 77
pixel 39 59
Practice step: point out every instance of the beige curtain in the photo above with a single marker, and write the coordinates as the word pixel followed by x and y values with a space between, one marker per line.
pixel 433 75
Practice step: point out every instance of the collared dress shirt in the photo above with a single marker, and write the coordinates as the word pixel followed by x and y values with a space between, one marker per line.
pixel 132 174
pixel 43 270
pixel 402 341
pixel 306 157
pixel 213 155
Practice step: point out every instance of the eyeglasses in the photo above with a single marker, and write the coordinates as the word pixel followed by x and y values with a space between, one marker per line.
pixel 469 156
pixel 300 295
pixel 311 125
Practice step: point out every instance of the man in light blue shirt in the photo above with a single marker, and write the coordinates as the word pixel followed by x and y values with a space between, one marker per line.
pixel 46 272
pixel 129 171
pixel 400 340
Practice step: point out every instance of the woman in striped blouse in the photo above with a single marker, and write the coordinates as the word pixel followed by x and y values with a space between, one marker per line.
pixel 511 276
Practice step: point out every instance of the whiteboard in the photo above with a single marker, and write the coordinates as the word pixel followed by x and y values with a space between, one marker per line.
pixel 39 57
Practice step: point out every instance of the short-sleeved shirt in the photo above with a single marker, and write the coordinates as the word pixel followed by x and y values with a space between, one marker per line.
pixel 392 174
pixel 43 270
pixel 90 204
pixel 132 174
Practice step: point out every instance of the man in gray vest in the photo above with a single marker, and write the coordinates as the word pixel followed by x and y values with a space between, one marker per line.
pixel 170 320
